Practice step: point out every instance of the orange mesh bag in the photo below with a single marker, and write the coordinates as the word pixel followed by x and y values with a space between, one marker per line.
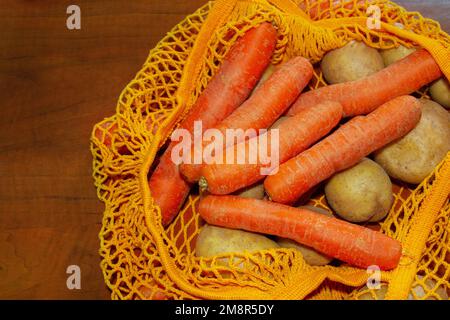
pixel 142 260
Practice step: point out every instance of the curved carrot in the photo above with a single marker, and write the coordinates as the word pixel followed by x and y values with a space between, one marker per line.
pixel 364 95
pixel 232 84
pixel 295 135
pixel 343 148
pixel 266 105
pixel 351 243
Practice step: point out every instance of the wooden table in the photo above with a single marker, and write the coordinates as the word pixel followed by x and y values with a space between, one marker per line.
pixel 55 84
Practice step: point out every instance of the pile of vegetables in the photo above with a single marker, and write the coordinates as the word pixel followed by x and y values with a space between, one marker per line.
pixel 368 90
pixel 351 139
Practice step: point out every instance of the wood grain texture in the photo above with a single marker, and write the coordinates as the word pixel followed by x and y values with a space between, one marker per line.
pixel 55 84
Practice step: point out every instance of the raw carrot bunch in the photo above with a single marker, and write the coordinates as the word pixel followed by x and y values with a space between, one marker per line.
pixel 231 85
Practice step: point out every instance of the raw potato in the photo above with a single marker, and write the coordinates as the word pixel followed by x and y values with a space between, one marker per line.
pixel 418 291
pixel 311 256
pixel 267 73
pixel 440 92
pixel 361 193
pixel 256 192
pixel 277 123
pixel 353 61
pixel 392 55
pixel 414 156
pixel 214 240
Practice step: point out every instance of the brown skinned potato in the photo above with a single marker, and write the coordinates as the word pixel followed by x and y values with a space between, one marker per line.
pixel 413 157
pixel 361 193
pixel 440 92
pixel 256 192
pixel 392 55
pixel 353 61
pixel 214 240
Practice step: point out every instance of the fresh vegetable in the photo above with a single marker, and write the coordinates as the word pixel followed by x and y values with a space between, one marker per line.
pixel 363 96
pixel 392 55
pixel 440 92
pixel 265 106
pixel 214 240
pixel 277 123
pixel 311 256
pixel 353 61
pixel 318 9
pixel 362 193
pixel 255 191
pixel 295 135
pixel 267 73
pixel 343 148
pixel 413 157
pixel 351 243
pixel 232 84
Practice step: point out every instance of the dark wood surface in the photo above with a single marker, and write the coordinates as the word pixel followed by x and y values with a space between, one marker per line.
pixel 55 84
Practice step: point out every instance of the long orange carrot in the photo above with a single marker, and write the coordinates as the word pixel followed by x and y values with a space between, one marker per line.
pixel 364 95
pixel 351 243
pixel 295 135
pixel 343 148
pixel 264 107
pixel 232 84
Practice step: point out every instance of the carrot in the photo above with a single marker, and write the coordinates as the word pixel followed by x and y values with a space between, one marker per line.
pixel 232 84
pixel 343 148
pixel 264 107
pixel 351 243
pixel 295 135
pixel 364 95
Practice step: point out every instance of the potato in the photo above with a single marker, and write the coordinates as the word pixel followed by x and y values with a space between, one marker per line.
pixel 256 191
pixel 440 92
pixel 414 156
pixel 214 240
pixel 267 73
pixel 353 61
pixel 392 55
pixel 311 256
pixel 417 289
pixel 277 123
pixel 361 193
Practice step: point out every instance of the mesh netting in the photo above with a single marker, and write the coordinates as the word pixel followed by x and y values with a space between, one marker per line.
pixel 142 260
